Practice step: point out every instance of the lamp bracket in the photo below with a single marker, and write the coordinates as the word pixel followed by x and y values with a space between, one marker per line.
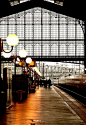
pixel 9 51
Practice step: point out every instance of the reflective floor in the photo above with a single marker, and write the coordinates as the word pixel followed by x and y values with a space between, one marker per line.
pixel 45 106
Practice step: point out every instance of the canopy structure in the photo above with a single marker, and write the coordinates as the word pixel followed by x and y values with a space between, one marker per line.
pixel 49 30
pixel 44 34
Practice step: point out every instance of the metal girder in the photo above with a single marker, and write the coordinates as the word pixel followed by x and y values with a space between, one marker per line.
pixel 49 59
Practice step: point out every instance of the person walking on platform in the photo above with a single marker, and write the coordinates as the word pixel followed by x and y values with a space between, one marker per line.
pixel 49 82
pixel 45 83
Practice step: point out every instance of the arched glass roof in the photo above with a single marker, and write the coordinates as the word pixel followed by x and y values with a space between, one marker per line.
pixel 44 33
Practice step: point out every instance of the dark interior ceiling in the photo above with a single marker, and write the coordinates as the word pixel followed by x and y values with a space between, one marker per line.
pixel 72 8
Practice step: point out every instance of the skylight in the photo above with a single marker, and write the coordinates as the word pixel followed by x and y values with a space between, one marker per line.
pixel 58 2
pixel 15 2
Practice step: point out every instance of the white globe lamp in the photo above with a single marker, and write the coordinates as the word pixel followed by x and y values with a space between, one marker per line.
pixel 6 55
pixel 12 40
pixel 28 60
pixel 17 62
pixel 22 53
pixel 18 59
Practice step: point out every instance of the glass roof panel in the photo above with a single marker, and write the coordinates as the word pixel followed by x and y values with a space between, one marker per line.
pixel 44 33
pixel 59 2
pixel 15 2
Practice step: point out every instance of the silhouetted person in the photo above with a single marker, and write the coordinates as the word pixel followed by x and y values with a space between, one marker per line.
pixel 49 81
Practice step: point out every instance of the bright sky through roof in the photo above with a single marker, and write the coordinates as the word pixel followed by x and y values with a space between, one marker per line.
pixel 69 65
pixel 22 1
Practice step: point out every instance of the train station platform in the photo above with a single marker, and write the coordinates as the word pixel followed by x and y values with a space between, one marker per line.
pixel 47 106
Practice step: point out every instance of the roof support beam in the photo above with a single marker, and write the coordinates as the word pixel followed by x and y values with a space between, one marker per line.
pixel 75 13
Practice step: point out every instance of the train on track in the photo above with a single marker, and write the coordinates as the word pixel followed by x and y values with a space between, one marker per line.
pixel 75 83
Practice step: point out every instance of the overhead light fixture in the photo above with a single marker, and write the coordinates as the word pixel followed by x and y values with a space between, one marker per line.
pixel 22 53
pixel 28 60
pixel 12 40
pixel 6 54
pixel 17 61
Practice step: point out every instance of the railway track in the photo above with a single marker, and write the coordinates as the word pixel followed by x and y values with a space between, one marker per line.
pixel 80 98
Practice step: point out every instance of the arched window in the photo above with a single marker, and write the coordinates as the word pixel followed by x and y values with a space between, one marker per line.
pixel 54 49
pixel 71 30
pixel 37 50
pixel 3 29
pixel 11 26
pixel 71 49
pixel 28 26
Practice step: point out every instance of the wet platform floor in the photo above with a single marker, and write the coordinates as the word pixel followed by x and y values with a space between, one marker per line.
pixel 44 107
